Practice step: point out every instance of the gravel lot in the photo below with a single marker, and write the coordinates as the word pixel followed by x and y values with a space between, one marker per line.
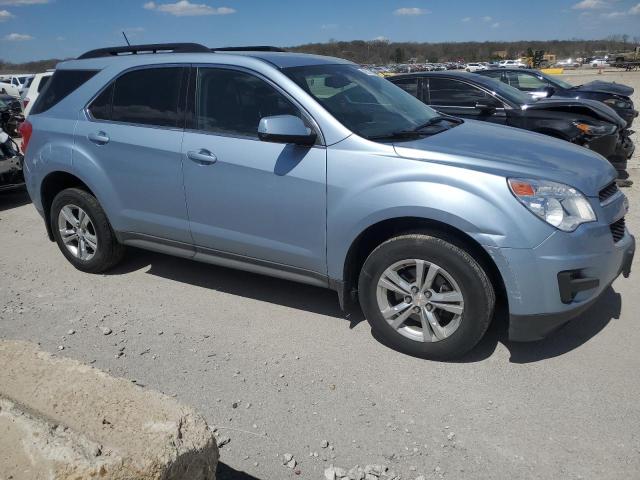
pixel 279 369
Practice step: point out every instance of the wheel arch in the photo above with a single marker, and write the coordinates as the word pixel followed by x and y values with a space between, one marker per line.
pixel 53 184
pixel 382 231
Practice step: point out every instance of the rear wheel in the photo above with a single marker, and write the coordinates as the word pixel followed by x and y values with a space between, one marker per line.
pixel 83 233
pixel 426 296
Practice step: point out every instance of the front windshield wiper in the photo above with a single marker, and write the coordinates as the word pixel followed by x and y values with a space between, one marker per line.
pixel 438 119
pixel 417 131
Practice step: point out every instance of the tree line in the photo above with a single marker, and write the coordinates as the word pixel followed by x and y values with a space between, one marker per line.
pixel 383 51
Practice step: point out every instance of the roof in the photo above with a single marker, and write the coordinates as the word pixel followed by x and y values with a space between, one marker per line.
pixel 95 60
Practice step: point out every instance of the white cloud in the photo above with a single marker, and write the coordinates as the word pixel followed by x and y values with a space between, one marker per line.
pixel 19 3
pixel 184 8
pixel 495 25
pixel 329 26
pixel 590 5
pixel 5 15
pixel 487 18
pixel 17 37
pixel 466 19
pixel 381 38
pixel 410 11
pixel 635 10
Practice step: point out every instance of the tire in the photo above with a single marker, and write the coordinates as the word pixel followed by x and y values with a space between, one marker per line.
pixel 458 275
pixel 97 230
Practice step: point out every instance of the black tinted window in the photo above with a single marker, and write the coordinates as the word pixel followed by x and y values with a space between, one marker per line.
pixel 409 85
pixel 150 96
pixel 62 83
pixel 233 102
pixel 453 93
pixel 101 107
pixel 43 83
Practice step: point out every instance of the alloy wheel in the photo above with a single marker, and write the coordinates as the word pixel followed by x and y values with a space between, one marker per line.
pixel 77 232
pixel 420 300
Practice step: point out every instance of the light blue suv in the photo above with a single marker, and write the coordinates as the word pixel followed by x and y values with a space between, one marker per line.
pixel 316 170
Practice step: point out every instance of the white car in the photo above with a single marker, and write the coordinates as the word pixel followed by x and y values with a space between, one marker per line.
pixel 36 86
pixel 511 64
pixel 599 63
pixel 13 84
pixel 474 67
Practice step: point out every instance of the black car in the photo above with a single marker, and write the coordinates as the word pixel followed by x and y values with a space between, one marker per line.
pixel 10 115
pixel 541 85
pixel 468 95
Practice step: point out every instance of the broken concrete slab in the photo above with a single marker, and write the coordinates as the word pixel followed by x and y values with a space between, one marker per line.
pixel 63 420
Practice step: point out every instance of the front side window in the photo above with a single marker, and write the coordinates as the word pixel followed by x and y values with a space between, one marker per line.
pixel 525 81
pixel 365 103
pixel 150 96
pixel 233 102
pixel 453 93
pixel 409 85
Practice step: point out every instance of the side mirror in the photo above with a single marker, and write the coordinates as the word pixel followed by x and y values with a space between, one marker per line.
pixel 285 129
pixel 549 91
pixel 485 107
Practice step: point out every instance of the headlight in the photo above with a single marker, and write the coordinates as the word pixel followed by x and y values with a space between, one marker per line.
pixel 593 129
pixel 559 205
pixel 617 103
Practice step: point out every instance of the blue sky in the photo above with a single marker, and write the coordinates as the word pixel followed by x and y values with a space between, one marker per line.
pixel 38 29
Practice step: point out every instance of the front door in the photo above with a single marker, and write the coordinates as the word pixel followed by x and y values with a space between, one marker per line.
pixel 250 200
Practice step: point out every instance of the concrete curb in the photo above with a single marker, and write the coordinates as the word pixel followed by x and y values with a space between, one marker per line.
pixel 63 420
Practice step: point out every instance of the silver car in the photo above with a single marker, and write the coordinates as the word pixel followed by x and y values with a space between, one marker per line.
pixel 317 170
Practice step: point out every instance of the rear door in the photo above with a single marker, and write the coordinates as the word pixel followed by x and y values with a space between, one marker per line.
pixel 133 131
pixel 462 99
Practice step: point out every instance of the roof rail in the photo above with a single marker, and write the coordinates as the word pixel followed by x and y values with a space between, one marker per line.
pixel 255 48
pixel 143 49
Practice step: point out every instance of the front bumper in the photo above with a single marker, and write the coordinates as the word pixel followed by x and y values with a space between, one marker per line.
pixel 588 261
pixel 624 150
pixel 528 328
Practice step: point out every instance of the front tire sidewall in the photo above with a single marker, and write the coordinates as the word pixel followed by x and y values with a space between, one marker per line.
pixel 479 298
pixel 107 243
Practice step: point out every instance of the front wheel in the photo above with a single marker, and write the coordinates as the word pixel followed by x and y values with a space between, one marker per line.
pixel 426 297
pixel 83 233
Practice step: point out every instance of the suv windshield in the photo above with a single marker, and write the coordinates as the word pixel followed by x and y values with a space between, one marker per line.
pixel 365 103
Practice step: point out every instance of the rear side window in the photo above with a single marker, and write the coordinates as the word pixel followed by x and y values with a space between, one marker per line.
pixel 62 83
pixel 43 83
pixel 150 97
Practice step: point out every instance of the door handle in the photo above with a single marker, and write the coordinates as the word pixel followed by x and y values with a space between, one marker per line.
pixel 202 156
pixel 99 138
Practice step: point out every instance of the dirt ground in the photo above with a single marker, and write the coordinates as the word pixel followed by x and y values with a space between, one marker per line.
pixel 279 369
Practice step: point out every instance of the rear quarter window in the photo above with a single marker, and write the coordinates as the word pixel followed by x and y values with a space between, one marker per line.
pixel 61 84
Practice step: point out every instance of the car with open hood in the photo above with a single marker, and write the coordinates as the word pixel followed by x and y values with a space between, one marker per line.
pixel 588 123
pixel 317 170
pixel 541 85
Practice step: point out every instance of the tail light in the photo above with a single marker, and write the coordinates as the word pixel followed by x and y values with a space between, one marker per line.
pixel 26 129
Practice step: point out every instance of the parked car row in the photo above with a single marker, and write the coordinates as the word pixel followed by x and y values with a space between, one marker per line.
pixel 317 170
pixel 518 98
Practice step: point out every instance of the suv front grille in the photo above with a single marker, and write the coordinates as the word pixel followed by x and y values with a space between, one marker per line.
pixel 617 230
pixel 608 192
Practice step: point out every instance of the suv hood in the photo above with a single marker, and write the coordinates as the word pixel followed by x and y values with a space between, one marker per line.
pixel 606 87
pixel 511 152
pixel 593 108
